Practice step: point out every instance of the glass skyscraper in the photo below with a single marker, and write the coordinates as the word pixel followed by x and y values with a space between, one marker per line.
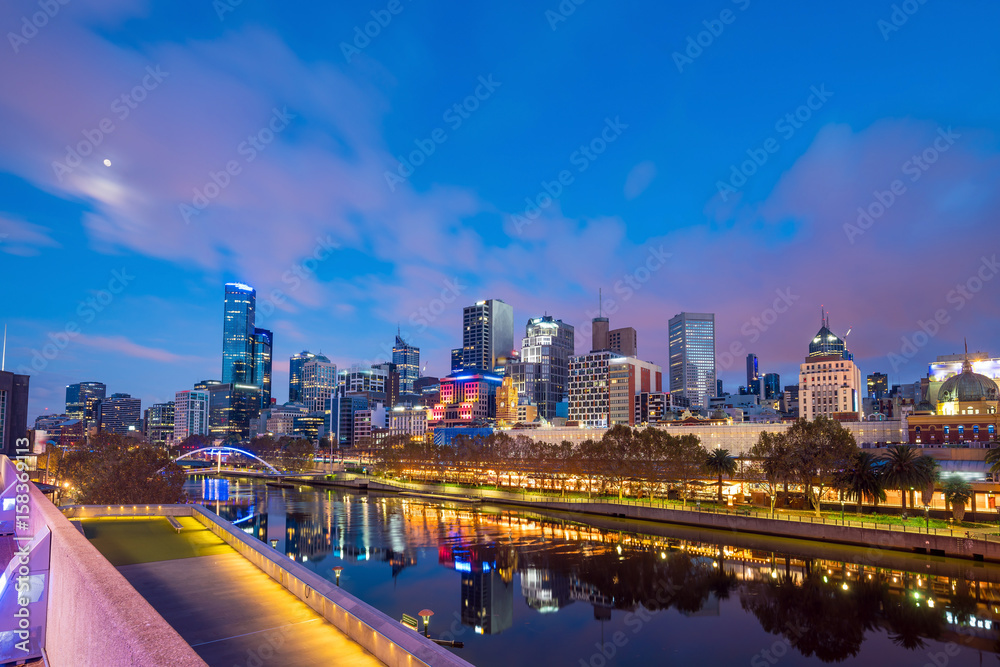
pixel 407 360
pixel 262 365
pixel 237 334
pixel 753 375
pixel 541 375
pixel 82 401
pixel 295 366
pixel 487 335
pixel 692 357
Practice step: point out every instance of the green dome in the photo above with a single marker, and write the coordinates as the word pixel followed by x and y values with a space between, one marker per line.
pixel 968 386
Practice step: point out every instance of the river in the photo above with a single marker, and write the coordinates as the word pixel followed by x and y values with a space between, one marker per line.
pixel 544 588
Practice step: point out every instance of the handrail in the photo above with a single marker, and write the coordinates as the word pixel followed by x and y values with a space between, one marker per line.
pixel 497 494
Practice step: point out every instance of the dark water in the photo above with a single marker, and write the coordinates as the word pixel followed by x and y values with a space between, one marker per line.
pixel 527 588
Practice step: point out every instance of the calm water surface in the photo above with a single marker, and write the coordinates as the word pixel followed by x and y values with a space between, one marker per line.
pixel 529 588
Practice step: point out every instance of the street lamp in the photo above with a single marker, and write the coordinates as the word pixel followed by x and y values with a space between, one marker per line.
pixel 337 570
pixel 426 615
pixel 927 517
pixel 841 511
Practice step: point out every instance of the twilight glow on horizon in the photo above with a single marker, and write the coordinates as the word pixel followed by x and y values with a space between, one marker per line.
pixel 374 166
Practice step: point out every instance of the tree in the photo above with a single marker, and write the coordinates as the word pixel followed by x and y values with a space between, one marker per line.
pixel 719 462
pixel 617 448
pixel 903 470
pixel 862 479
pixel 117 470
pixel 771 463
pixel 299 454
pixel 993 458
pixel 957 492
pixel 685 458
pixel 819 451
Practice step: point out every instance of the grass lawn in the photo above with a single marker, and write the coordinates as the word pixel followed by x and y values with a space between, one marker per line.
pixel 128 541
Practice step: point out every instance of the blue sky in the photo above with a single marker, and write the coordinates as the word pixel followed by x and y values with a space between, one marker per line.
pixel 198 86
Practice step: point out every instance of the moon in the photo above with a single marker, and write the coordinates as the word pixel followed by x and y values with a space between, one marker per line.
pixel 107 162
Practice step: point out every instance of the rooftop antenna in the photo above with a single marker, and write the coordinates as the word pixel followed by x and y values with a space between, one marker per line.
pixel 3 359
pixel 600 303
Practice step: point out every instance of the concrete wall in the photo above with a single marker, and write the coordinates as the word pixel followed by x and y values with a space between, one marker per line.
pixel 95 617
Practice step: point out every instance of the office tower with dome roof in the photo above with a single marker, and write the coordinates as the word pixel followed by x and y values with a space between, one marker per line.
pixel 829 380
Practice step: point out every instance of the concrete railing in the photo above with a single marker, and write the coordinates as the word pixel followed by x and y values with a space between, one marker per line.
pixel 383 637
pixel 94 616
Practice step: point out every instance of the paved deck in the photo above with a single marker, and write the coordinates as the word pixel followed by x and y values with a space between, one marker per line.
pixel 229 611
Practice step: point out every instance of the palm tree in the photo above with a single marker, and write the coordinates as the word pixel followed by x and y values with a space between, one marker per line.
pixel 901 470
pixel 863 479
pixel 957 492
pixel 720 463
pixel 993 457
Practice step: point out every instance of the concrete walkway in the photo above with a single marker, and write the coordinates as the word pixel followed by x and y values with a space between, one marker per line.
pixel 229 611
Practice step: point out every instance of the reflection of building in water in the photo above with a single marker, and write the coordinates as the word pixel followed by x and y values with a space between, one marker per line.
pixel 545 590
pixel 487 600
pixel 589 593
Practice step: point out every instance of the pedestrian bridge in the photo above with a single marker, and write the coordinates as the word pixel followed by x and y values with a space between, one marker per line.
pixel 63 601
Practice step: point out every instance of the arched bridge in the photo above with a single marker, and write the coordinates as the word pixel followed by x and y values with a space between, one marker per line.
pixel 219 451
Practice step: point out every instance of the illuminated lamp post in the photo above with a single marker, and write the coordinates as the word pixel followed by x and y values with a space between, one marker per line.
pixel 426 615
pixel 337 570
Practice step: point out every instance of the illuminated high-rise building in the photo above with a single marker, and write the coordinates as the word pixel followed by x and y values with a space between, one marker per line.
pixel 319 383
pixel 295 364
pixel 82 401
pixel 487 335
pixel 237 334
pixel 878 385
pixel 753 375
pixel 190 414
pixel 407 360
pixel 829 381
pixel 692 357
pixel 262 364
pixel 541 373
pixel 120 414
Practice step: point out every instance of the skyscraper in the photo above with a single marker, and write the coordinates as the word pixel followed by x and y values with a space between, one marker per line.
pixel 13 411
pixel 319 383
pixel 692 356
pixel 487 335
pixel 159 423
pixel 541 375
pixel 295 364
pixel 190 414
pixel 82 399
pixel 772 386
pixel 246 365
pixel 121 414
pixel 407 360
pixel 829 381
pixel 753 375
pixel 878 385
pixel 237 334
pixel 262 364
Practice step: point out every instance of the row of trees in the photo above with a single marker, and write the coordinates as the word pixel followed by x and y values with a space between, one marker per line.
pixel 644 462
pixel 821 453
pixel 812 456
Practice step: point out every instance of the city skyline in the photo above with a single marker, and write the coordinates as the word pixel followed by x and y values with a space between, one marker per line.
pixel 284 360
pixel 828 190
